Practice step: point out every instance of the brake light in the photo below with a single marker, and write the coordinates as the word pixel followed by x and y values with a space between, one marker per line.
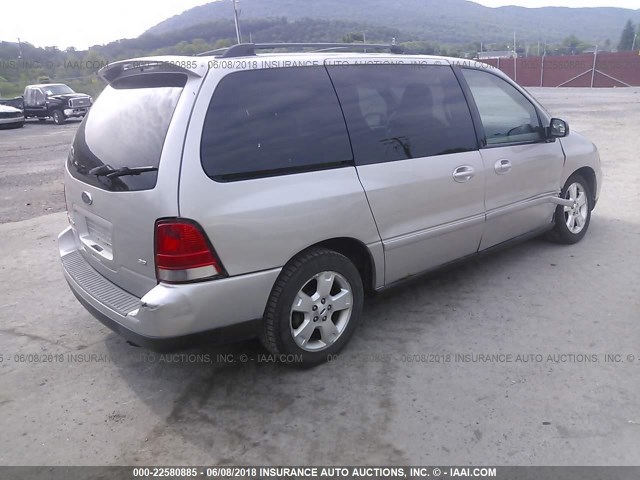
pixel 183 252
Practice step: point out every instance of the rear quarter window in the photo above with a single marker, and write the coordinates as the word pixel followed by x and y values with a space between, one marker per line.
pixel 272 122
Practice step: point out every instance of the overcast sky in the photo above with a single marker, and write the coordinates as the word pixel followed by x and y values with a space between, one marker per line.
pixel 82 23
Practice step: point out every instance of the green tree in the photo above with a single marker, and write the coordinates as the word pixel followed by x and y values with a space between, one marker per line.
pixel 353 37
pixel 626 39
pixel 574 45
pixel 222 43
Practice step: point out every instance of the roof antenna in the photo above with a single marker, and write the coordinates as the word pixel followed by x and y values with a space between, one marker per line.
pixel 236 14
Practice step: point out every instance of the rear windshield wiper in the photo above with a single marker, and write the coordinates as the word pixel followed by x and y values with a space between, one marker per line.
pixel 110 172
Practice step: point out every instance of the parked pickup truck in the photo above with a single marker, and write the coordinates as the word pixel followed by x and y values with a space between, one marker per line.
pixel 54 100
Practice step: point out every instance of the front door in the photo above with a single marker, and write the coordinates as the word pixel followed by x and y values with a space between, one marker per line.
pixel 40 102
pixel 523 169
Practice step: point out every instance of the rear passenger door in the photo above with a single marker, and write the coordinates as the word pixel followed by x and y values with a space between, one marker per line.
pixel 523 169
pixel 417 157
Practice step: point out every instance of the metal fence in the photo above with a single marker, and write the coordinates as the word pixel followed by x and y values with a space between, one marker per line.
pixel 599 69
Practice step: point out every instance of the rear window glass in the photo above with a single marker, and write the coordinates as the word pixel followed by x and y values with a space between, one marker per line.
pixel 126 127
pixel 272 122
pixel 396 112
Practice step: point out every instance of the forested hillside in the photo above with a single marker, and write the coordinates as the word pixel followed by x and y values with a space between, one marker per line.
pixel 450 21
pixel 21 64
pixel 452 27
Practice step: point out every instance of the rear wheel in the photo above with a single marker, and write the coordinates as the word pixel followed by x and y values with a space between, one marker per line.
pixel 314 307
pixel 572 222
pixel 58 117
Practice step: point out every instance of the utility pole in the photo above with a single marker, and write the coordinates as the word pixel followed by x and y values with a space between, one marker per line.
pixel 236 15
pixel 19 49
pixel 515 59
pixel 593 69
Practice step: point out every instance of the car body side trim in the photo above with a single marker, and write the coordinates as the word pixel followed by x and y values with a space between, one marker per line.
pixel 496 248
pixel 414 237
pixel 431 232
pixel 521 205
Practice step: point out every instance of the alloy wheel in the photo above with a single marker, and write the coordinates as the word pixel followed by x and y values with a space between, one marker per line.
pixel 575 216
pixel 321 311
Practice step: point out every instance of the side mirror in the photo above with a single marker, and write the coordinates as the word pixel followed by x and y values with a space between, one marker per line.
pixel 558 128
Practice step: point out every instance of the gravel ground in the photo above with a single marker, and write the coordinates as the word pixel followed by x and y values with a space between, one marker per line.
pixel 72 392
pixel 30 169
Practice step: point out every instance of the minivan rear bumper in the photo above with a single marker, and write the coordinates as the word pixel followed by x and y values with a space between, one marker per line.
pixel 170 316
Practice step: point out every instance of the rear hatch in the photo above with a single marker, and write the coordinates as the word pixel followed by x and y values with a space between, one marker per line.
pixel 123 168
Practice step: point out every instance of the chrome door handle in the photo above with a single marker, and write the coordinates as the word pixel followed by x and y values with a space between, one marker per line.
pixel 502 166
pixel 463 173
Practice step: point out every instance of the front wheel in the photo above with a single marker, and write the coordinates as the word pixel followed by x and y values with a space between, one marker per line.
pixel 572 222
pixel 314 307
pixel 58 117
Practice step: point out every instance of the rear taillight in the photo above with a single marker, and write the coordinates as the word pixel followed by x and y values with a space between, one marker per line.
pixel 183 252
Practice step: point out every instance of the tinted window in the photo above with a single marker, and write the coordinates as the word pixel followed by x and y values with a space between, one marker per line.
pixel 126 127
pixel 57 90
pixel 399 112
pixel 507 115
pixel 269 122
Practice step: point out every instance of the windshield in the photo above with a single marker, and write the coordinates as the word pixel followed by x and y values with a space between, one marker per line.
pixel 57 90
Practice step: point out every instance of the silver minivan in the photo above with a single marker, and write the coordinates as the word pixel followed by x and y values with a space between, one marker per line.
pixel 249 194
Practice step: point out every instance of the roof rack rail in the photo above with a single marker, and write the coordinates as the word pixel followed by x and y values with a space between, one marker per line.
pixel 249 49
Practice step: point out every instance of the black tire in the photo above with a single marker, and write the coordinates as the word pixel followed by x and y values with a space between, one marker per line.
pixel 58 117
pixel 561 232
pixel 276 334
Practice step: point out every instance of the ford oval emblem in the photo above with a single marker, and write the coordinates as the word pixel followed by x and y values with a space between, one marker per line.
pixel 87 198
